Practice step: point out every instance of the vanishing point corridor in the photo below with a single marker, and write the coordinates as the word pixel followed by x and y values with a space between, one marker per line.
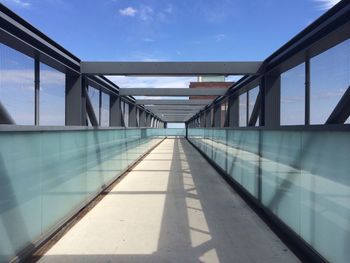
pixel 172 207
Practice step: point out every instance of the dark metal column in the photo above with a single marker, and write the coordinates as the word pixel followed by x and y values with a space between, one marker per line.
pixel 202 119
pixel 142 118
pixel 148 120
pixel 5 117
pixel 132 115
pixel 233 111
pixel 75 100
pixel 272 99
pixel 115 111
pixel 307 91
pixel 208 118
pixel 217 115
pixel 37 91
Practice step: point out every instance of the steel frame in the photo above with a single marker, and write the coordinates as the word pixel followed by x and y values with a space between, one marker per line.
pixel 327 31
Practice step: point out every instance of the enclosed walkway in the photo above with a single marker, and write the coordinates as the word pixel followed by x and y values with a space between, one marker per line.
pixel 172 207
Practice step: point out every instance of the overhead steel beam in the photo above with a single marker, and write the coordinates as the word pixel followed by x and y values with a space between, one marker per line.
pixel 5 117
pixel 173 102
pixel 173 107
pixel 91 113
pixel 176 120
pixel 256 111
pixel 170 68
pixel 182 92
pixel 342 111
pixel 176 115
pixel 176 110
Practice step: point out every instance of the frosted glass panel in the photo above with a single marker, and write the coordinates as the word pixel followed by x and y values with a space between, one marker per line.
pixel 305 179
pixel 280 178
pixel 325 196
pixel 45 176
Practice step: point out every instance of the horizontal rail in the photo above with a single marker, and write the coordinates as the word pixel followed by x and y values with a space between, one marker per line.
pixel 172 92
pixel 173 102
pixel 170 68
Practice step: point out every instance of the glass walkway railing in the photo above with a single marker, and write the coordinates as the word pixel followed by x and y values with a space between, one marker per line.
pixel 302 177
pixel 47 176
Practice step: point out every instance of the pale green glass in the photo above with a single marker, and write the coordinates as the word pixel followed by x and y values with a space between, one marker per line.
pixel 325 193
pixel 281 175
pixel 219 148
pixel 20 192
pixel 46 176
pixel 243 158
pixel 304 179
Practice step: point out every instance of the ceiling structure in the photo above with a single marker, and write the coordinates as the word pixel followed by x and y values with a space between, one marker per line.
pixel 170 109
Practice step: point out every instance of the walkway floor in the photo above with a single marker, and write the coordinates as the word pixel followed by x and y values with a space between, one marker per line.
pixel 172 207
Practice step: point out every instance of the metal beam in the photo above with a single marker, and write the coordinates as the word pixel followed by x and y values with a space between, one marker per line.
pixel 173 107
pixel 256 112
pixel 170 68
pixel 271 96
pixel 177 115
pixel 173 102
pixel 132 116
pixel 342 111
pixel 175 111
pixel 5 117
pixel 116 115
pixel 90 112
pixel 217 116
pixel 75 111
pixel 176 120
pixel 182 92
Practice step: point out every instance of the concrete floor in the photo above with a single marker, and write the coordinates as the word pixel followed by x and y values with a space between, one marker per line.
pixel 172 207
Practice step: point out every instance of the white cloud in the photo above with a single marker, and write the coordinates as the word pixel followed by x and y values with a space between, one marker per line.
pixel 146 13
pixel 148 39
pixel 220 37
pixel 169 9
pixel 326 4
pixel 129 11
pixel 25 77
pixel 152 82
pixel 24 4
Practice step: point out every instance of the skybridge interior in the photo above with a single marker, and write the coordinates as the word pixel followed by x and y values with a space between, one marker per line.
pixel 91 171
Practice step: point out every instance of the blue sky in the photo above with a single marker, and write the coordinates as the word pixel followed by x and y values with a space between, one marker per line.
pixel 153 30
pixel 192 30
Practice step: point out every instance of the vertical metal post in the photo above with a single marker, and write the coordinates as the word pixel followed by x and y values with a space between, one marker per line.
pixel 272 91
pixel 115 111
pixel 202 119
pixel 262 102
pixel 5 117
pixel 307 91
pixel 37 90
pixel 233 111
pixel 142 118
pixel 217 115
pixel 247 108
pixel 132 115
pixel 208 118
pixel 75 100
pixel 99 106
